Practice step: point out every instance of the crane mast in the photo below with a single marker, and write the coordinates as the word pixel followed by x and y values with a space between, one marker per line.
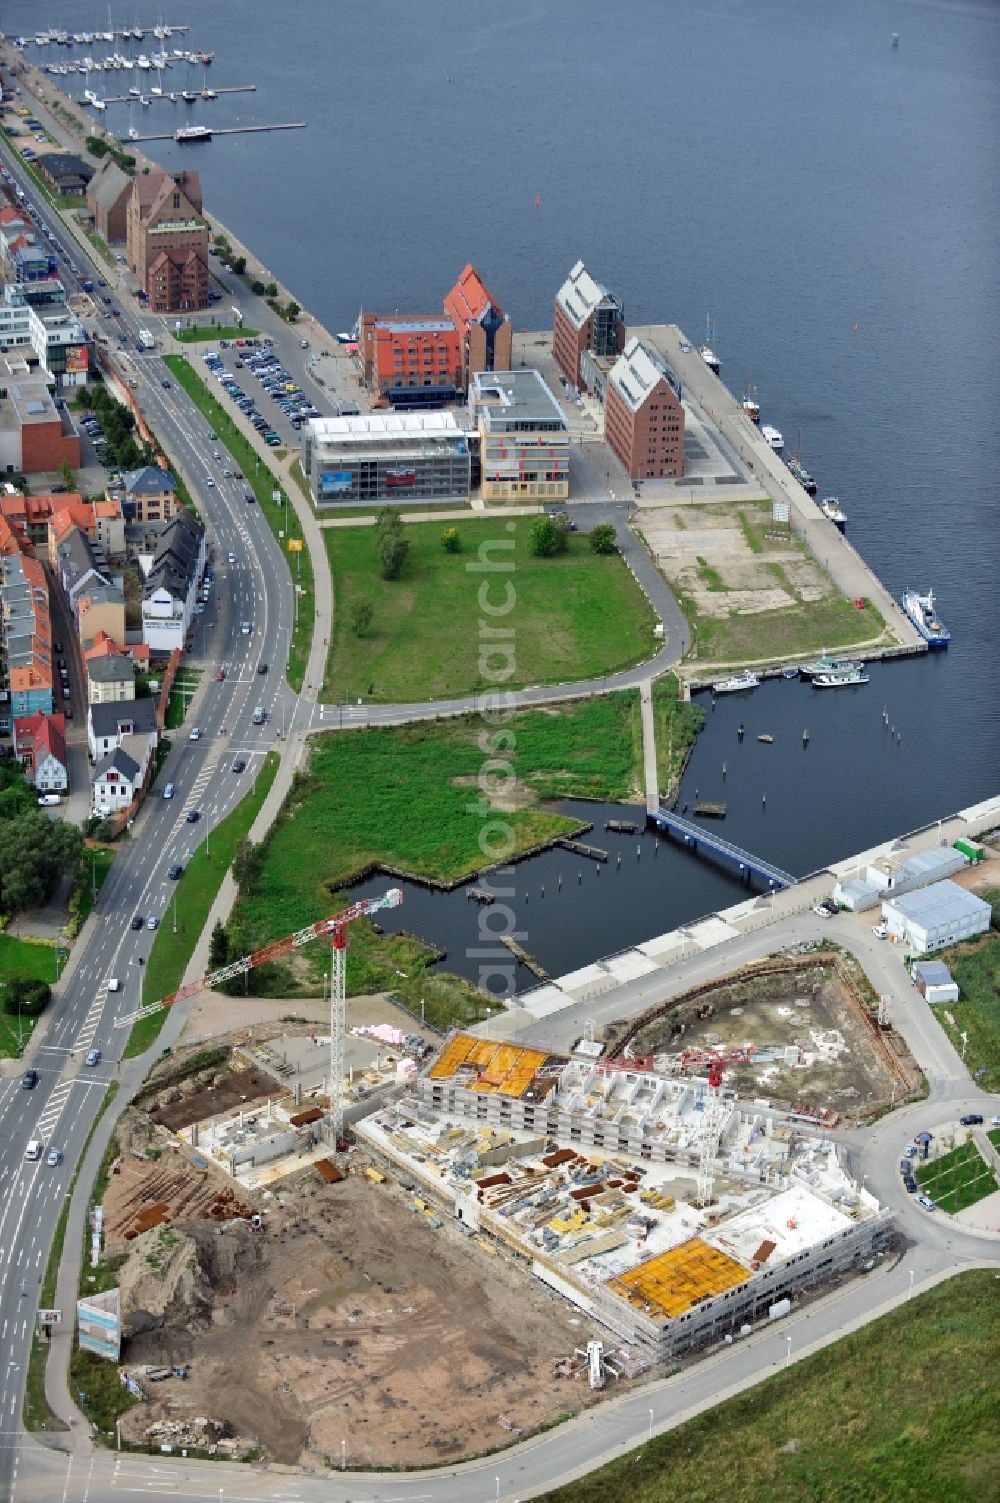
pixel 336 927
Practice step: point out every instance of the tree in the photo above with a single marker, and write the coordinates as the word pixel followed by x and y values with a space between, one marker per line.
pixel 218 948
pixel 257 288
pixel 240 265
pixel 34 853
pixel 292 310
pixel 391 547
pixel 271 290
pixel 248 863
pixel 451 540
pixel 547 537
pixel 24 996
pixel 604 539
pixel 66 475
pixel 362 614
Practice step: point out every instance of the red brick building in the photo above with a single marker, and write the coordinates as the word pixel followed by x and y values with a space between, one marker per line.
pixel 33 435
pixel 414 360
pixel 483 326
pixel 643 415
pixel 587 317
pixel 167 241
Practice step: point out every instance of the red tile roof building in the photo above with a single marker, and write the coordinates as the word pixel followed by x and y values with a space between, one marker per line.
pixel 484 327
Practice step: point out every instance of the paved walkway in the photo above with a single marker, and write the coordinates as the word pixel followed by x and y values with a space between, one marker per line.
pixel 652 782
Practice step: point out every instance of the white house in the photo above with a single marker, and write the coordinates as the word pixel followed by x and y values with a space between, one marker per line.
pixel 934 981
pixel 109 724
pixel 171 587
pixel 119 776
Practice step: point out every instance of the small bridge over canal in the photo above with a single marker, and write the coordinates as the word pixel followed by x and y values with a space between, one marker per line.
pixel 698 839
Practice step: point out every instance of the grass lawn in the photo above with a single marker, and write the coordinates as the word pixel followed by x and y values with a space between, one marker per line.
pixel 95 863
pixel 35 959
pixel 903 1411
pixel 207 332
pixel 263 482
pixel 573 616
pixel 976 968
pixel 957 1179
pixel 181 692
pixel 196 890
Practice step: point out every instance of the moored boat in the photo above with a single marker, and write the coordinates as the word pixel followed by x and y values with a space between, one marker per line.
pixel 737 684
pixel 834 512
pixel 922 612
pixel 193 133
pixel 827 665
pixel 840 680
pixel 772 436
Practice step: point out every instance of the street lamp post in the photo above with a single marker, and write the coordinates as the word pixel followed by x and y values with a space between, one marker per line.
pixel 788 1353
pixel 910 1295
pixel 175 910
pixel 651 1424
pixel 498 1489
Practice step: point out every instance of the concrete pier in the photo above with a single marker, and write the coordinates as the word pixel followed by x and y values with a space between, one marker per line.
pixel 845 566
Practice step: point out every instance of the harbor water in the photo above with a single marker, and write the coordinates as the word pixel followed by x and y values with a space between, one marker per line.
pixel 830 201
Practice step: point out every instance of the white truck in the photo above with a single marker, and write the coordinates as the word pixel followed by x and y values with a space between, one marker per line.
pixel 146 340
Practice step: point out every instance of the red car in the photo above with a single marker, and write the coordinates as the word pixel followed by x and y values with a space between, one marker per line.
pixel 220 674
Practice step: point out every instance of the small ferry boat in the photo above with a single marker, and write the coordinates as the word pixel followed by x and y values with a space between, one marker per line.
pixel 922 612
pixel 773 436
pixel 738 684
pixel 710 358
pixel 840 680
pixel 193 133
pixel 834 512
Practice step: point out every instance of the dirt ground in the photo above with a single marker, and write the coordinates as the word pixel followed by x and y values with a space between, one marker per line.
pixel 841 1065
pixel 782 575
pixel 349 1318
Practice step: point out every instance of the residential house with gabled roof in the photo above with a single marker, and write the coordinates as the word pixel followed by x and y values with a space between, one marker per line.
pixel 109 724
pixel 110 677
pixel 170 590
pixel 643 414
pixel 40 745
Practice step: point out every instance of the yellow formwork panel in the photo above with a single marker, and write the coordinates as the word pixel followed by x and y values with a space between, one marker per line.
pixel 504 1069
pixel 673 1281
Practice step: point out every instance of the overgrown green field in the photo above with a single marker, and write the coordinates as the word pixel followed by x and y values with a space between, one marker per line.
pixel 976 968
pixel 35 959
pixel 957 1179
pixel 279 514
pixel 408 798
pixel 576 616
pixel 195 894
pixel 904 1411
pixel 810 626
pixel 181 693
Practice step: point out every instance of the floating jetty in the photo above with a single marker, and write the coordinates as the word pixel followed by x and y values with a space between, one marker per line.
pixel 592 852
pixel 526 960
pixel 250 88
pixel 623 826
pixel 226 130
pixel 479 895
pixel 717 811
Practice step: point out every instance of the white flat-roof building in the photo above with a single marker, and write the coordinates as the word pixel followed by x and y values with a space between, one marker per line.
pixel 939 915
pixel 387 456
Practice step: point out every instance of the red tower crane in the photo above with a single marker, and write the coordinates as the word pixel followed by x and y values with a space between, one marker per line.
pixel 335 927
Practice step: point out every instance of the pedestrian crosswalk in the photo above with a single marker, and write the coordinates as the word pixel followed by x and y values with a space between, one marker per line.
pixel 197 789
pixel 53 1110
pixel 89 1025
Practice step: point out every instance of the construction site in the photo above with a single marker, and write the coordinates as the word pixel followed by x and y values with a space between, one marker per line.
pixel 669 1212
pixel 564 1221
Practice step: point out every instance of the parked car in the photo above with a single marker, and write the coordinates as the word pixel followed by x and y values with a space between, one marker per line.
pixel 880 930
pixel 926 1202
pixel 910 1185
pixel 971 1119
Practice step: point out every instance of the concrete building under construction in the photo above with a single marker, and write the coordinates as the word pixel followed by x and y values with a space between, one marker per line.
pixel 589 1171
